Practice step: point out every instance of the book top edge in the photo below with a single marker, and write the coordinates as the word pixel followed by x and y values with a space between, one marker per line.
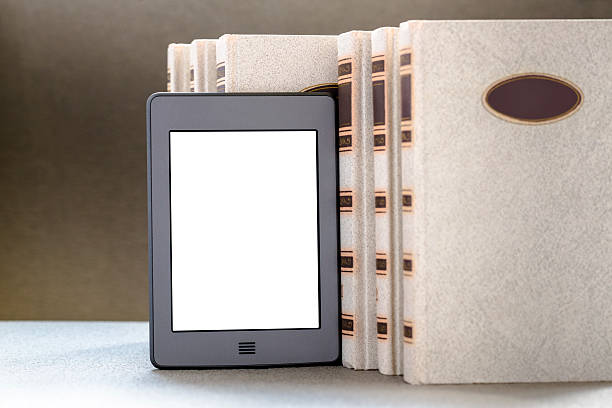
pixel 275 36
pixel 507 21
pixel 204 41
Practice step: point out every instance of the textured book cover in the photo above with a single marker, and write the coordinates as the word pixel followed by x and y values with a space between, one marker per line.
pixel 202 66
pixel 357 228
pixel 276 63
pixel 387 192
pixel 178 68
pixel 513 193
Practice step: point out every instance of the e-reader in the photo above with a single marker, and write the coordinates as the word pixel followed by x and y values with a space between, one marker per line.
pixel 243 229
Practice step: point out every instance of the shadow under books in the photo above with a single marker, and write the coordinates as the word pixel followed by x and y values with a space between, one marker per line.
pixel 363 386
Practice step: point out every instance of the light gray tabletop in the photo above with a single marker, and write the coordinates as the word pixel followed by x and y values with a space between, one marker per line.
pixel 107 364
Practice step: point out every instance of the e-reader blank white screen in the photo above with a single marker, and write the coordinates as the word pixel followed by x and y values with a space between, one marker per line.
pixel 244 230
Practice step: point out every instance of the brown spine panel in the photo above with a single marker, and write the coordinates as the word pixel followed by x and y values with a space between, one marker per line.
pixel 408 265
pixel 347 324
pixel 378 102
pixel 408 331
pixel 382 328
pixel 345 201
pixel 407 200
pixel 345 108
pixel 380 201
pixel 406 97
pixel 347 261
pixel 381 263
pixel 221 77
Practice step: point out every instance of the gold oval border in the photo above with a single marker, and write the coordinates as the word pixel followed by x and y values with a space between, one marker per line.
pixel 513 78
pixel 320 87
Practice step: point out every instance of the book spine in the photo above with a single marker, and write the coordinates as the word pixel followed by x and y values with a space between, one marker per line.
pixel 209 68
pixel 203 62
pixel 193 56
pixel 406 70
pixel 348 261
pixel 387 180
pixel 356 202
pixel 168 76
pixel 178 68
pixel 221 58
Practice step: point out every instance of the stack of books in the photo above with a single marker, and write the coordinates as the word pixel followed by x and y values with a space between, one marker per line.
pixel 475 195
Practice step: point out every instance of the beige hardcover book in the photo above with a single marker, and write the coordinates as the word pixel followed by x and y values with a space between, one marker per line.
pixel 357 228
pixel 276 63
pixel 387 191
pixel 512 201
pixel 202 66
pixel 292 63
pixel 178 68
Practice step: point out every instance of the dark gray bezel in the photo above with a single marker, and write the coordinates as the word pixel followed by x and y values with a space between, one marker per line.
pixel 194 111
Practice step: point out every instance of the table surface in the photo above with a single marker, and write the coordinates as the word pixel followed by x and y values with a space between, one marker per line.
pixel 103 363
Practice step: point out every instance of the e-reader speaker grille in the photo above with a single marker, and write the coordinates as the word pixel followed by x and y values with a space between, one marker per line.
pixel 246 347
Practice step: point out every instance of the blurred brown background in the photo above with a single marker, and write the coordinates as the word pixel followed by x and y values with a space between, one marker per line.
pixel 76 74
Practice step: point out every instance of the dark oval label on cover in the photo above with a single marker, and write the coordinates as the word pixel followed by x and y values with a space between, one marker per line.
pixel 532 98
